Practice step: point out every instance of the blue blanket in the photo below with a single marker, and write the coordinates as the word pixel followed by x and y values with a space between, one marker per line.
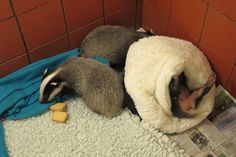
pixel 20 92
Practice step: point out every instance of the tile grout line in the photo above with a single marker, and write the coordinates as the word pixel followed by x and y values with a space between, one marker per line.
pixel 135 14
pixel 203 25
pixel 103 12
pixel 169 17
pixel 80 27
pixel 223 14
pixel 35 7
pixel 141 21
pixel 218 11
pixel 20 30
pixel 12 59
pixel 5 19
pixel 49 42
pixel 156 7
pixel 65 22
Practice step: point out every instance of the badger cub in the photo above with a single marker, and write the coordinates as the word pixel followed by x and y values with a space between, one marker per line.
pixel 111 42
pixel 184 101
pixel 99 86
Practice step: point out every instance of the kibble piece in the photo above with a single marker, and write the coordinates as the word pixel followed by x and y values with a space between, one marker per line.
pixel 59 116
pixel 58 107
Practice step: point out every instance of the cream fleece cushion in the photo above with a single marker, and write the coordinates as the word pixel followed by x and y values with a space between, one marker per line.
pixel 150 64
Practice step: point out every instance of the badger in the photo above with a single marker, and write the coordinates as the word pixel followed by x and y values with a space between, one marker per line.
pixel 99 86
pixel 111 42
pixel 184 101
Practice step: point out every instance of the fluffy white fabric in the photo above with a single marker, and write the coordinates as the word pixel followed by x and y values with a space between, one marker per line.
pixel 150 64
pixel 86 134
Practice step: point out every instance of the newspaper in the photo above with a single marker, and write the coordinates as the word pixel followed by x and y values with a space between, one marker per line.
pixel 216 135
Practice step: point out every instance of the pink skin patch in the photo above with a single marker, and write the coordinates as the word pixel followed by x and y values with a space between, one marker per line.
pixel 187 100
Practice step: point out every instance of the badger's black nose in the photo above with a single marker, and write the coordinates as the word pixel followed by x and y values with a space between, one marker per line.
pixel 42 101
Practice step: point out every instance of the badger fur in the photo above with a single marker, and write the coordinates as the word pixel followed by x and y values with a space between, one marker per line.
pixel 99 85
pixel 111 42
pixel 185 101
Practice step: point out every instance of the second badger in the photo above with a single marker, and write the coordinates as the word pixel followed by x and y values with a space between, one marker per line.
pixel 100 86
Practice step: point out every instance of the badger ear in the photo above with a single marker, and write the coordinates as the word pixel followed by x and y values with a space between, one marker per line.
pixel 45 71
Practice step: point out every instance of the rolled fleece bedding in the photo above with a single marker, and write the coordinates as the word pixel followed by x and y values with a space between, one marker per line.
pixel 150 64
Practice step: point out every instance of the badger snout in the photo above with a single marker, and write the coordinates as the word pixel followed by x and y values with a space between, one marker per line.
pixel 42 100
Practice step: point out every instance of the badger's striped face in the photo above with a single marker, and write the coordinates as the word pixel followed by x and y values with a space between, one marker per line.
pixel 50 86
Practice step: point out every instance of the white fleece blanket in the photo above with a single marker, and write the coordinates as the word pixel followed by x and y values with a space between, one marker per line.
pixel 150 64
pixel 87 134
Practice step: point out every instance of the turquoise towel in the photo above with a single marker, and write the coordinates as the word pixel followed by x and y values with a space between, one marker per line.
pixel 102 60
pixel 20 92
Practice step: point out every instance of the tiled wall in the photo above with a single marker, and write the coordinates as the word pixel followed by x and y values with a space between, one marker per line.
pixel 209 24
pixel 34 29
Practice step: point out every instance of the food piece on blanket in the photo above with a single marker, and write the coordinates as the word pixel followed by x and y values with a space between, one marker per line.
pixel 183 100
pixel 58 107
pixel 59 116
pixel 111 42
